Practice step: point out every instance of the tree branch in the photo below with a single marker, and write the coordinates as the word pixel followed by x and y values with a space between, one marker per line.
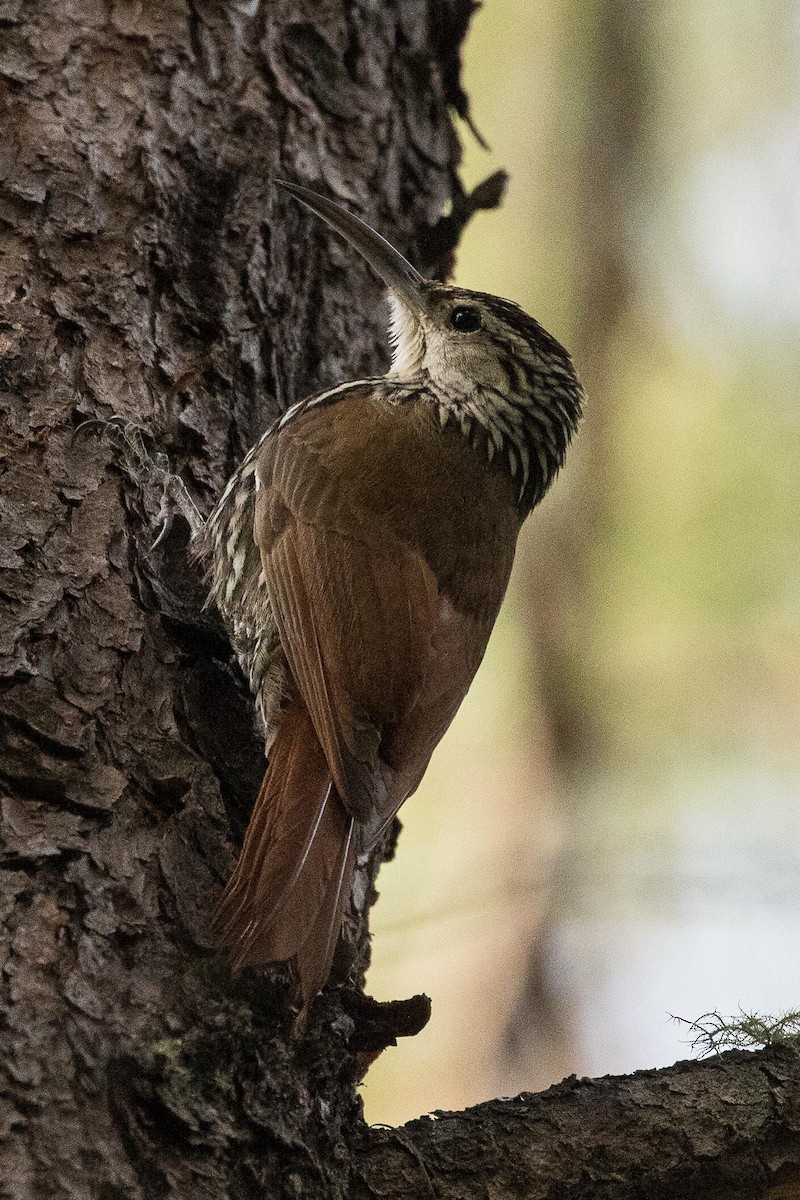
pixel 727 1128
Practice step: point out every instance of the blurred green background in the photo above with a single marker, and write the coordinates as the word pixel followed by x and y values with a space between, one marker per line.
pixel 608 834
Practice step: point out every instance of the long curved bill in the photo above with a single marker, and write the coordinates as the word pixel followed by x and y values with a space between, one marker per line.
pixel 395 271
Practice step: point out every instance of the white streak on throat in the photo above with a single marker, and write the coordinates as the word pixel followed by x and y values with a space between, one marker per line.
pixel 408 340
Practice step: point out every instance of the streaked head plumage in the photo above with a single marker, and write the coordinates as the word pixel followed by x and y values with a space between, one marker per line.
pixel 483 360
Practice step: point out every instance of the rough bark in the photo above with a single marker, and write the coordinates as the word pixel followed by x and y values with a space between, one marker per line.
pixel 727 1129
pixel 149 272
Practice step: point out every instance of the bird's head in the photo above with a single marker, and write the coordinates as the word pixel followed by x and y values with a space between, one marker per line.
pixel 488 366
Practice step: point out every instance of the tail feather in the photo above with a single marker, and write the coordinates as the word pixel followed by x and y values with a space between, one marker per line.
pixel 314 959
pixel 286 897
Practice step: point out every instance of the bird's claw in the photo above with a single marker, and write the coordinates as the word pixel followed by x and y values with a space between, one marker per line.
pixel 152 469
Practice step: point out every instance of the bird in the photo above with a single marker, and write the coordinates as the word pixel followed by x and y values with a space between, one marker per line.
pixel 359 557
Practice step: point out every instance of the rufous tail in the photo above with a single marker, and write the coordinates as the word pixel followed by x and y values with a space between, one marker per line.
pixel 286 897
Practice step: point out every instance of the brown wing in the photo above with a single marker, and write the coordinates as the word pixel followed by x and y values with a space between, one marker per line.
pixel 380 655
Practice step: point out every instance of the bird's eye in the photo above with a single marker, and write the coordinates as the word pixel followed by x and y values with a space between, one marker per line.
pixel 465 318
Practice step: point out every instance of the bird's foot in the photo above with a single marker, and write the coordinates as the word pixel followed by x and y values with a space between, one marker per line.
pixel 153 470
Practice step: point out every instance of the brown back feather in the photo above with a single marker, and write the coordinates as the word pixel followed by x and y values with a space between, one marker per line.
pixel 380 620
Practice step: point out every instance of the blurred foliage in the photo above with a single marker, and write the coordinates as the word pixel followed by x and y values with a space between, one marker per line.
pixel 640 703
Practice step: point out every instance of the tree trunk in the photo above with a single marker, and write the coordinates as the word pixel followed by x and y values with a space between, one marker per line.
pixel 150 272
